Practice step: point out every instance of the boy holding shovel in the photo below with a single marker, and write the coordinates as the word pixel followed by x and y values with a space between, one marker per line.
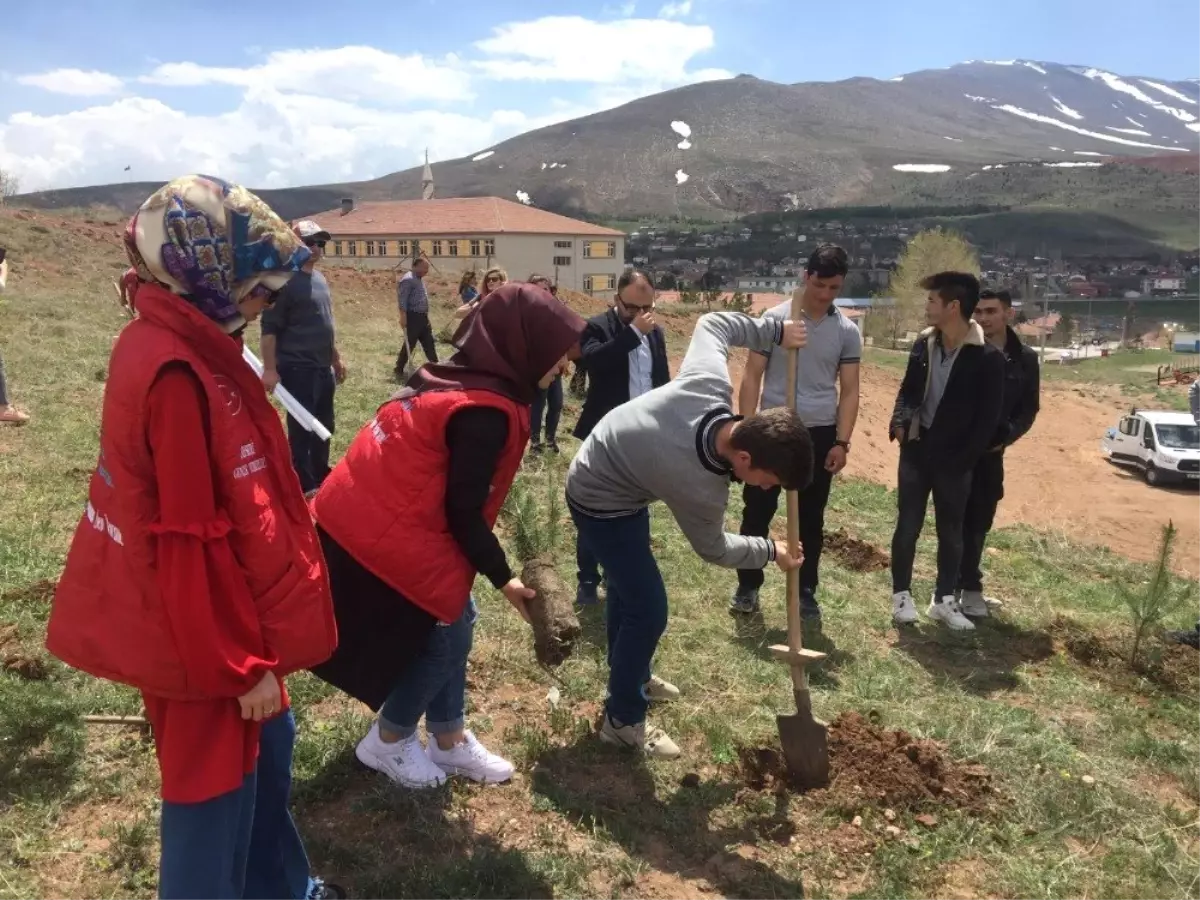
pixel 683 445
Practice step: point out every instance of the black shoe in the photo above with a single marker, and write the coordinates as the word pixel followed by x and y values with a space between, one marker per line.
pixel 322 890
pixel 553 445
pixel 810 610
pixel 536 447
pixel 1189 638
pixel 586 594
pixel 744 602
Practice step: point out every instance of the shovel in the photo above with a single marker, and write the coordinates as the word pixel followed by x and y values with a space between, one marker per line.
pixel 804 739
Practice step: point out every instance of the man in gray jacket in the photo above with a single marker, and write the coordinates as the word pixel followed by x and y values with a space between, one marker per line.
pixel 680 444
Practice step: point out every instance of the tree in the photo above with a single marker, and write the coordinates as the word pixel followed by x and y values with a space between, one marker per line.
pixel 739 302
pixel 711 297
pixel 1064 328
pixel 666 281
pixel 927 253
pixel 10 185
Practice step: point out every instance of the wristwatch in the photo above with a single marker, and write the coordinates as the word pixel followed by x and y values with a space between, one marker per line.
pixel 845 445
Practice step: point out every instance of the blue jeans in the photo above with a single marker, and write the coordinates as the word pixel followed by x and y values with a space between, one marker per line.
pixel 636 607
pixel 588 570
pixel 549 402
pixel 435 685
pixel 243 843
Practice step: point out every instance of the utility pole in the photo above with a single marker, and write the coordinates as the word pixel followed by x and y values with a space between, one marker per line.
pixel 1028 291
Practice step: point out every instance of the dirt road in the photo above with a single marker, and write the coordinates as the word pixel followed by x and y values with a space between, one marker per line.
pixel 1055 477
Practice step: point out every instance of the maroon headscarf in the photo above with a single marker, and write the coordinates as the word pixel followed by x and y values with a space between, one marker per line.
pixel 506 345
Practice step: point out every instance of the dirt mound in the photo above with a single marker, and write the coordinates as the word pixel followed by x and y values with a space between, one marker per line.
pixel 14 659
pixel 872 767
pixel 35 592
pixel 1172 667
pixel 856 555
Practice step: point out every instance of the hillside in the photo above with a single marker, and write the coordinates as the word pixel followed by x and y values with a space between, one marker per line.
pixel 759 146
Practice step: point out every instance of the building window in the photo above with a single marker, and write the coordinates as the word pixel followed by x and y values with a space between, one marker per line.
pixel 402 248
pixel 437 248
pixel 587 249
pixel 354 248
pixel 489 246
pixel 383 248
pixel 453 248
pixel 599 249
pixel 562 245
pixel 474 246
pixel 595 284
pixel 370 248
pixel 612 249
pixel 562 260
pixel 337 248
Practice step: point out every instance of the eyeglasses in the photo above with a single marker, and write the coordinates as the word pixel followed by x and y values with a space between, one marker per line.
pixel 634 308
pixel 495 279
pixel 318 244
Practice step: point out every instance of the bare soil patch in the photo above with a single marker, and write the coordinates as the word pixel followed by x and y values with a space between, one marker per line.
pixel 1173 667
pixel 855 554
pixel 871 767
pixel 14 659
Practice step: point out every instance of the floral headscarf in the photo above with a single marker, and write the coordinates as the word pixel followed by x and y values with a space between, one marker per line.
pixel 214 244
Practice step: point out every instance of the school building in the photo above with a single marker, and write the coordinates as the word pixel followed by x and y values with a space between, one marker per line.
pixel 476 232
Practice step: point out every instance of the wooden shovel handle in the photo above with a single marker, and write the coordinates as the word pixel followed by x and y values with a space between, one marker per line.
pixel 795 639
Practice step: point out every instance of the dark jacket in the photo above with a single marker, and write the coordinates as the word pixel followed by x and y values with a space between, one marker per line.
pixel 1022 391
pixel 965 424
pixel 605 347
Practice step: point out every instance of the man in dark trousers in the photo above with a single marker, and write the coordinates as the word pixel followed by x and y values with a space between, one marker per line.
pixel 299 350
pixel 414 315
pixel 945 419
pixel 625 355
pixel 1022 388
pixel 827 403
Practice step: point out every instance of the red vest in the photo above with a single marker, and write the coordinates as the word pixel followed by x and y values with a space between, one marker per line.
pixel 384 503
pixel 108 617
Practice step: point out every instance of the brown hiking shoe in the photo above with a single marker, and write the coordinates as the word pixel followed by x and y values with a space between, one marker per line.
pixel 10 415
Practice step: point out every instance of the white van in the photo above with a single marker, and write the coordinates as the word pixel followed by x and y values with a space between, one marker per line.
pixel 1164 445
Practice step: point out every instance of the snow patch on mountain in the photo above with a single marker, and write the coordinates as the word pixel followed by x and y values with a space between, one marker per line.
pixel 1118 84
pixel 1064 109
pixel 1046 120
pixel 1169 91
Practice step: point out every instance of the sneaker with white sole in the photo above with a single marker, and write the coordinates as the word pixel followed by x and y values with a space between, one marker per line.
pixel 904 610
pixel 470 759
pixel 658 689
pixel 974 604
pixel 946 610
pixel 403 761
pixel 651 741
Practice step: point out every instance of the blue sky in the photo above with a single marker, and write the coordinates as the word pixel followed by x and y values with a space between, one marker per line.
pixel 277 95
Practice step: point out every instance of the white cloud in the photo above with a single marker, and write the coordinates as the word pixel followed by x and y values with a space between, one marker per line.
pixel 652 52
pixel 351 73
pixel 676 9
pixel 75 82
pixel 314 116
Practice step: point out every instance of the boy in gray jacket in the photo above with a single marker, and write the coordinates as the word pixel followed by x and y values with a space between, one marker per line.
pixel 680 444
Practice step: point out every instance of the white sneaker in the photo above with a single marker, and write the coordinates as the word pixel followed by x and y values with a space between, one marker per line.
pixel 470 759
pixel 658 689
pixel 974 604
pixel 946 610
pixel 904 610
pixel 651 741
pixel 404 761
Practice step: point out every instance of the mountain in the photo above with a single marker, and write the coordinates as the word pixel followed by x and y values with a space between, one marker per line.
pixel 938 136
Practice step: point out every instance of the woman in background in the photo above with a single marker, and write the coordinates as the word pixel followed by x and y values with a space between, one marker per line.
pixel 467 292
pixel 9 414
pixel 493 278
pixel 549 400
pixel 195 574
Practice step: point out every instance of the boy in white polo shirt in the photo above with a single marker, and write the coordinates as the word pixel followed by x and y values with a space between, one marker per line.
pixel 826 402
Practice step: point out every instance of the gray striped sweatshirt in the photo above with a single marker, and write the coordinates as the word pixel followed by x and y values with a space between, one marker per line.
pixel 660 446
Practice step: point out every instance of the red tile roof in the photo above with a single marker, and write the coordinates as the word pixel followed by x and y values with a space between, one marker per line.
pixel 459 215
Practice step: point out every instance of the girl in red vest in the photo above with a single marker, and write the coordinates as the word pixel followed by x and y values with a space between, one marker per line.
pixel 406 519
pixel 195 574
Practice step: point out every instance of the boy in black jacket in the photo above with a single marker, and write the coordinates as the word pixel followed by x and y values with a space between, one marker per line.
pixel 945 418
pixel 1022 388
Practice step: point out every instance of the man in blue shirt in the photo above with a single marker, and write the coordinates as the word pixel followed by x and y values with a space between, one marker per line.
pixel 299 350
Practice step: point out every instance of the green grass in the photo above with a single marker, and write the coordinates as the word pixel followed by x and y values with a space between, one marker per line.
pixel 78 803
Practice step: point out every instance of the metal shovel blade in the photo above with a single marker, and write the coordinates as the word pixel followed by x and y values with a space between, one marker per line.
pixel 805 742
